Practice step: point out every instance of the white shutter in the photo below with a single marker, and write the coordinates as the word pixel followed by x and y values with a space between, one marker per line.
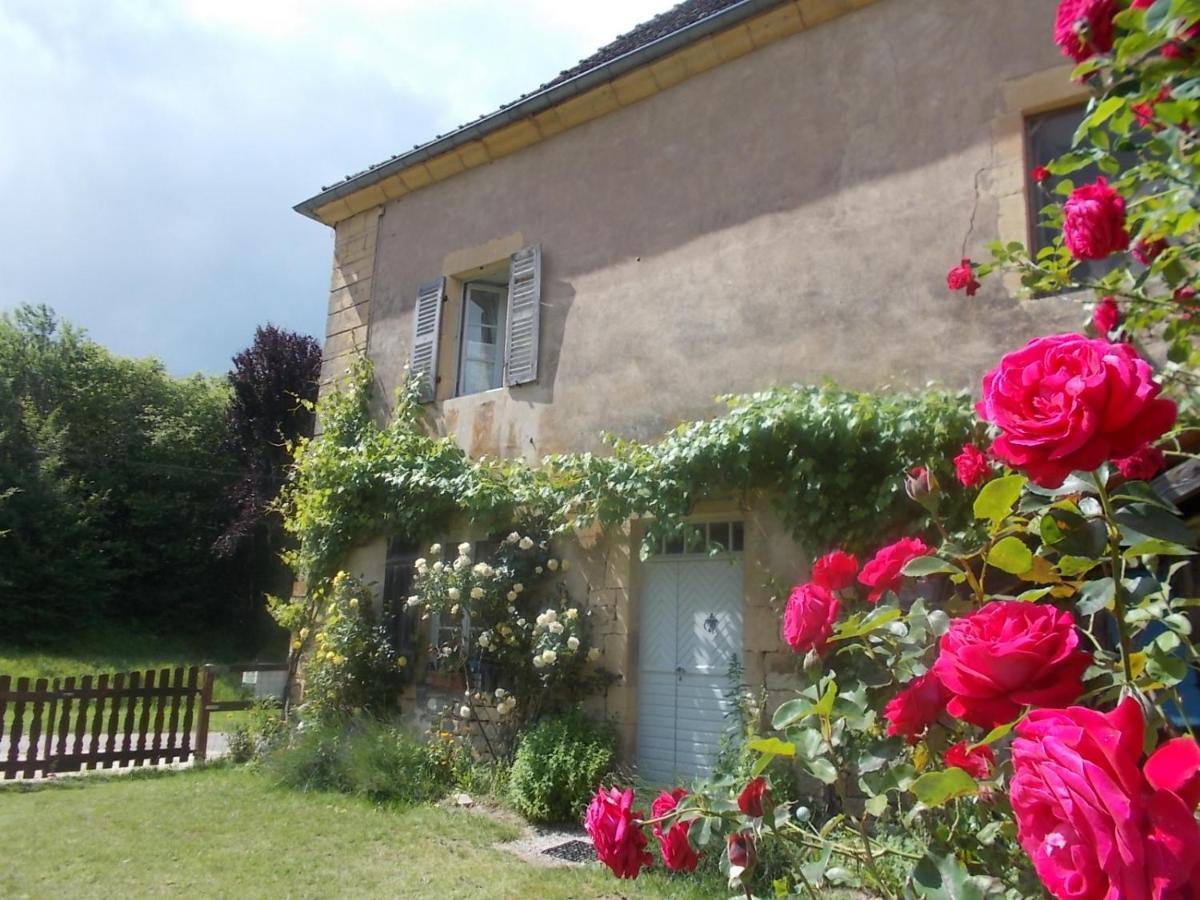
pixel 427 321
pixel 524 312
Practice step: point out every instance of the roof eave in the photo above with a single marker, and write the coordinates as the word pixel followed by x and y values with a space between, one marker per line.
pixel 538 102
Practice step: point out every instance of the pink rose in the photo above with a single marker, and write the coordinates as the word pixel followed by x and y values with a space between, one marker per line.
pixel 1106 317
pixel 971 466
pixel 618 838
pixel 1145 251
pixel 750 800
pixel 1084 28
pixel 1008 655
pixel 1095 825
pixel 883 572
pixel 978 763
pixel 962 276
pixel 915 708
pixel 1142 465
pixel 1175 767
pixel 835 570
pixel 677 853
pixel 1094 221
pixel 1065 403
pixel 809 617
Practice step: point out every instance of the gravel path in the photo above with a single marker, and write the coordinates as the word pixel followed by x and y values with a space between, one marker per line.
pixel 538 845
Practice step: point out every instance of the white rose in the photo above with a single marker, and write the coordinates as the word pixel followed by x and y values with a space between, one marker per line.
pixel 556 628
pixel 566 565
pixel 526 543
pixel 414 601
pixel 552 564
pixel 573 642
pixel 464 549
pixel 454 610
pixel 537 570
pixel 501 693
pixel 572 613
pixel 549 657
pixel 518 587
pixel 454 594
pixel 461 563
pixel 479 568
pixel 464 711
pixel 512 596
pixel 521 622
pixel 538 662
pixel 420 563
pixel 541 619
pixel 551 616
pixel 483 640
pixel 513 537
pixel 593 654
pixel 476 593
pixel 439 566
pixel 435 549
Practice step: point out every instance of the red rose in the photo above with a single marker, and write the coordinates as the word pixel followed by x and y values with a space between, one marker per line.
pixel 1106 317
pixel 1184 295
pixel 1175 767
pixel 1084 28
pixel 1146 252
pixel 1094 221
pixel 915 708
pixel 677 853
pixel 883 572
pixel 835 570
pixel 1065 403
pixel 618 838
pixel 1142 465
pixel 743 856
pixel 1040 173
pixel 750 800
pixel 978 763
pixel 1007 655
pixel 809 617
pixel 962 276
pixel 971 466
pixel 1091 821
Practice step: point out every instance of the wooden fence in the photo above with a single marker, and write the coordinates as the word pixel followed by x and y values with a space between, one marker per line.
pixel 110 721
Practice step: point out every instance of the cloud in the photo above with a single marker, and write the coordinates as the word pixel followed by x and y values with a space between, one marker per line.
pixel 152 150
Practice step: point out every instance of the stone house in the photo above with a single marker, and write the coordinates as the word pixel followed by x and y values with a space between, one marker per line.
pixel 734 195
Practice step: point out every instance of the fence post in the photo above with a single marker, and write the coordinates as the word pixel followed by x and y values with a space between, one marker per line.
pixel 206 692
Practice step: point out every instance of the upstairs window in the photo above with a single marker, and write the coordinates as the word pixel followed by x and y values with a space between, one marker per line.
pixel 481 344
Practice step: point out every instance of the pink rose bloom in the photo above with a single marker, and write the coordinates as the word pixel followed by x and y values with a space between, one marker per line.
pixel 835 570
pixel 1175 767
pixel 915 708
pixel 1145 251
pixel 977 763
pixel 677 853
pixel 1142 465
pixel 883 572
pixel 1094 221
pixel 1008 655
pixel 1094 824
pixel 1066 402
pixel 962 277
pixel 1106 317
pixel 971 466
pixel 1084 28
pixel 618 838
pixel 809 617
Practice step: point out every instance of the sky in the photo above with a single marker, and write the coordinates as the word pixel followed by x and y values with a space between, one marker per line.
pixel 151 150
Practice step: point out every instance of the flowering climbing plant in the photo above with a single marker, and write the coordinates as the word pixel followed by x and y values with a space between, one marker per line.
pixel 997 711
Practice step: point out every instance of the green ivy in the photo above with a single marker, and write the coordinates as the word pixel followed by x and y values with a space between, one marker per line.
pixel 833 459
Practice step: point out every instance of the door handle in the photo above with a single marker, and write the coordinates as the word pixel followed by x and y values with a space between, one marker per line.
pixel 679 670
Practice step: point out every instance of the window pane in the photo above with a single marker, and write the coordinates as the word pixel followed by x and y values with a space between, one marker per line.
pixel 481 355
pixel 718 535
pixel 1048 136
pixel 675 543
pixel 739 537
pixel 694 539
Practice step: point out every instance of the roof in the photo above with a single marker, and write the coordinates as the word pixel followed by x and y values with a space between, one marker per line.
pixel 684 23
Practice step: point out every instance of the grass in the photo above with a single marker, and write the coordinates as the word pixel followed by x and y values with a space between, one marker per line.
pixel 228 832
pixel 120 649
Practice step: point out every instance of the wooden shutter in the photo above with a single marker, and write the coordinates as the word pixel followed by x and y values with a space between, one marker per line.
pixel 427 321
pixel 524 312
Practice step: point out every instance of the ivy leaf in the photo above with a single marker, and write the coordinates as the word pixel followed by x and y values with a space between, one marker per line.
pixel 937 788
pixel 1096 595
pixel 1010 555
pixel 997 498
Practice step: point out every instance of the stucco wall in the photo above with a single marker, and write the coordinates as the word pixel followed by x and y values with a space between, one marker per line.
pixel 788 216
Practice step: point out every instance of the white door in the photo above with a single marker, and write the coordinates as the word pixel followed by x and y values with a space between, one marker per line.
pixel 691 628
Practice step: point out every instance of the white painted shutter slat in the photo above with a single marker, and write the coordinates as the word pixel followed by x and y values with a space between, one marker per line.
pixel 524 313
pixel 427 321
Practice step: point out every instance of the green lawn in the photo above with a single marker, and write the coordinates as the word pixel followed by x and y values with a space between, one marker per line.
pixel 227 832
pixel 113 649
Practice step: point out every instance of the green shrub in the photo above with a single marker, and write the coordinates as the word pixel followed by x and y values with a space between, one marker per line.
pixel 367 758
pixel 263 730
pixel 558 764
